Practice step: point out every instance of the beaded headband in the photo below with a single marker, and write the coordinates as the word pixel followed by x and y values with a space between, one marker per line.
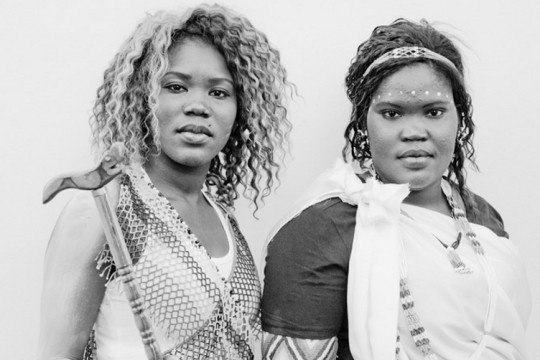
pixel 410 52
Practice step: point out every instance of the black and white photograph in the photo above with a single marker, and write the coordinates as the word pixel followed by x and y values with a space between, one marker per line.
pixel 270 179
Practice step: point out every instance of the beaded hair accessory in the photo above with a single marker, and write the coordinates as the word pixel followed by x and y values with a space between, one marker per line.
pixel 410 52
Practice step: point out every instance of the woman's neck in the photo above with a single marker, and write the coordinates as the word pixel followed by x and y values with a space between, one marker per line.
pixel 176 181
pixel 431 198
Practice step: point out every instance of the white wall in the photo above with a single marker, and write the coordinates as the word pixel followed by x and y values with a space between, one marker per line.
pixel 54 52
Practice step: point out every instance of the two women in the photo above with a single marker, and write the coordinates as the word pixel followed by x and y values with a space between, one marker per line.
pixel 198 100
pixel 401 260
pixel 392 256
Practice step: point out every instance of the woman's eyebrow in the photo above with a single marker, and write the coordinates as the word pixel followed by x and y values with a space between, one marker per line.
pixel 211 78
pixel 438 102
pixel 179 74
pixel 218 80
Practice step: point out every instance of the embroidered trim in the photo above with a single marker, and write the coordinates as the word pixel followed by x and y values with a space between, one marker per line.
pixel 278 346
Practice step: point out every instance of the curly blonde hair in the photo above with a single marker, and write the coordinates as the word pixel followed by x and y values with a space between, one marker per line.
pixel 126 105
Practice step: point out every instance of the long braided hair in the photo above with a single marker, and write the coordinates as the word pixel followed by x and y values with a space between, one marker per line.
pixel 126 105
pixel 404 33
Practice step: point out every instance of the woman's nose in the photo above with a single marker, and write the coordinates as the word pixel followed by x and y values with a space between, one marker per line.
pixel 414 129
pixel 196 105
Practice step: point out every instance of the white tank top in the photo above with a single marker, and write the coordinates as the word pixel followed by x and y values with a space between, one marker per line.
pixel 224 263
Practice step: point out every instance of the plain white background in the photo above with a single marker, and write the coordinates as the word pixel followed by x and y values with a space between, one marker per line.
pixel 53 54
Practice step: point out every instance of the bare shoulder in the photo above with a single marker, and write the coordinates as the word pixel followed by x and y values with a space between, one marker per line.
pixel 72 288
pixel 78 234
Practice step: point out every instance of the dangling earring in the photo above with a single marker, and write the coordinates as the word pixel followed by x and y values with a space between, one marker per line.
pixel 460 141
pixel 361 148
pixel 372 171
pixel 361 143
pixel 462 132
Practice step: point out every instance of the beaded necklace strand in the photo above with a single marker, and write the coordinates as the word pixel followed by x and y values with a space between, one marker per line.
pixel 414 324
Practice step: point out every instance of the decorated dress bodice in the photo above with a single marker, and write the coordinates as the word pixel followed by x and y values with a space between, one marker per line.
pixel 196 312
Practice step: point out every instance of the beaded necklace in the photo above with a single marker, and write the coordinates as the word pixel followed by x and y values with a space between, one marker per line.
pixel 458 264
pixel 415 326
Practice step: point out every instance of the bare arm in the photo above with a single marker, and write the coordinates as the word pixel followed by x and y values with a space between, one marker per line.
pixel 72 288
pixel 277 347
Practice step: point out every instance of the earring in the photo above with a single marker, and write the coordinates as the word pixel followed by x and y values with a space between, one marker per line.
pixel 362 148
pixel 371 170
pixel 460 138
pixel 462 131
pixel 361 143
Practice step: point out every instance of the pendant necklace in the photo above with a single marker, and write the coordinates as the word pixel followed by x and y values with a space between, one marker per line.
pixel 454 258
pixel 464 231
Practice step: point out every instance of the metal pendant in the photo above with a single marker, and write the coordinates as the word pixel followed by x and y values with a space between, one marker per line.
pixel 458 264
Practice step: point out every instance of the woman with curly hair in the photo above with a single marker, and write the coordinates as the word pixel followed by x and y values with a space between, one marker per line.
pixel 198 100
pixel 400 259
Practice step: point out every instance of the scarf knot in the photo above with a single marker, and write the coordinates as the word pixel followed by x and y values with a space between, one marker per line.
pixel 376 202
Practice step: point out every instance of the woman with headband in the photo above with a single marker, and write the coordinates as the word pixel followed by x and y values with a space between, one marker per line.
pixel 391 256
pixel 198 101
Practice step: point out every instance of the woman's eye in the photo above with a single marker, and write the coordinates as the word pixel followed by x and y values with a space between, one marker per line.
pixel 435 113
pixel 175 88
pixel 390 114
pixel 219 93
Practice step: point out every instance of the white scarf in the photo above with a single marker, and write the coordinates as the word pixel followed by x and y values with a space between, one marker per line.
pixel 374 268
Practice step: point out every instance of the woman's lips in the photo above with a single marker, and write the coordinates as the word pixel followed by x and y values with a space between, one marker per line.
pixel 414 154
pixel 195 129
pixel 415 159
pixel 195 134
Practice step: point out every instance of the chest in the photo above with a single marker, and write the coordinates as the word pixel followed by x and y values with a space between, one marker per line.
pixel 209 226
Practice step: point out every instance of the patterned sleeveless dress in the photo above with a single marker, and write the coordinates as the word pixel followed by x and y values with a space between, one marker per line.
pixel 196 313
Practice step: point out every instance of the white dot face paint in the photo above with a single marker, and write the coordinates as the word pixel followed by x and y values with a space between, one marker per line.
pixel 412 93
pixel 412 125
